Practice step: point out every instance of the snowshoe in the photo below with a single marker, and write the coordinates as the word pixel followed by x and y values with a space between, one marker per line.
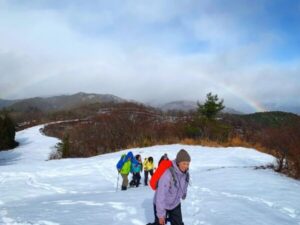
pixel 132 183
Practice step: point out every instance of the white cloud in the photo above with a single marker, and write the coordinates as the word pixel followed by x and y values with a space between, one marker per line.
pixel 134 50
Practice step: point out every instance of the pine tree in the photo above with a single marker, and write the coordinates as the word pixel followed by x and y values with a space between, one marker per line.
pixel 211 107
pixel 66 147
pixel 205 125
pixel 7 131
pixel 63 148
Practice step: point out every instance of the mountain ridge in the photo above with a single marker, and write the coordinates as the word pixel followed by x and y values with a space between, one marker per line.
pixel 59 102
pixel 65 101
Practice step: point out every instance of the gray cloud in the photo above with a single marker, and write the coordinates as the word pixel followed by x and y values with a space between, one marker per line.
pixel 142 51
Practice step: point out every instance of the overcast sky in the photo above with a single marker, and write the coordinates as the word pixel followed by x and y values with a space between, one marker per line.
pixel 247 52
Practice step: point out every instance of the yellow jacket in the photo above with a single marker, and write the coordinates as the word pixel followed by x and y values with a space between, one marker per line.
pixel 148 165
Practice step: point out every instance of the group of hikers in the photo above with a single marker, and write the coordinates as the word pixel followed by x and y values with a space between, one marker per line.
pixel 133 164
pixel 169 180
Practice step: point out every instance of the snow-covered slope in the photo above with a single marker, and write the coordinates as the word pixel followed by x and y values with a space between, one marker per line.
pixel 225 188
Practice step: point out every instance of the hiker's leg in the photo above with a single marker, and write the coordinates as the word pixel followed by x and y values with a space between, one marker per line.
pixel 175 216
pixel 138 178
pixel 125 181
pixel 146 177
pixel 132 182
pixel 151 172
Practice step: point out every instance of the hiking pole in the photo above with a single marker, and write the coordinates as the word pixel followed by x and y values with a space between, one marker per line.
pixel 118 181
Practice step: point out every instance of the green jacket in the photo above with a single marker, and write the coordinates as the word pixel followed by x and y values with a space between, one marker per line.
pixel 126 168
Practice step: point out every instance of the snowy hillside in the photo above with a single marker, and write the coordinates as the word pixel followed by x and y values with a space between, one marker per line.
pixel 225 188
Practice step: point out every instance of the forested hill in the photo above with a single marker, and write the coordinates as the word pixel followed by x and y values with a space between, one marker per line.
pixel 268 119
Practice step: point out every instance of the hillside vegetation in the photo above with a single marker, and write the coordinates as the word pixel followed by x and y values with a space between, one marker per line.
pixel 125 125
pixel 96 128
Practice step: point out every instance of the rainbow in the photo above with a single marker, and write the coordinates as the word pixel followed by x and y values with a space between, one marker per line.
pixel 236 92
pixel 221 86
pixel 253 103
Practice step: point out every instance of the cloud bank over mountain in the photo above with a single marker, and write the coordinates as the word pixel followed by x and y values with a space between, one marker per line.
pixel 247 53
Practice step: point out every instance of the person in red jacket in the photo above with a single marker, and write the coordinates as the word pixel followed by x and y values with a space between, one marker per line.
pixel 164 157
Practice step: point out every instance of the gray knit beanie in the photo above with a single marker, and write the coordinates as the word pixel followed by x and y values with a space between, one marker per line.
pixel 183 155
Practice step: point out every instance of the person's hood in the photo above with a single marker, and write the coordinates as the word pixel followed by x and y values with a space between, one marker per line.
pixel 177 170
pixel 133 159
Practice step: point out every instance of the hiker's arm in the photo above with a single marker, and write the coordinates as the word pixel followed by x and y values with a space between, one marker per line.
pixel 185 190
pixel 134 161
pixel 161 191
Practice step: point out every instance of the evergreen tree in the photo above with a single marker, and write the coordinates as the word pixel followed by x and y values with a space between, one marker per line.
pixel 7 131
pixel 211 107
pixel 66 147
pixel 63 148
pixel 204 124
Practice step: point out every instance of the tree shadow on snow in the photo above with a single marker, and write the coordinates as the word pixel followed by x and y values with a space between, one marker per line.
pixel 9 157
pixel 12 156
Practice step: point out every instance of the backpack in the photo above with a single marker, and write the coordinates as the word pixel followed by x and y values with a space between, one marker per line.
pixel 136 168
pixel 121 162
pixel 124 158
pixel 162 167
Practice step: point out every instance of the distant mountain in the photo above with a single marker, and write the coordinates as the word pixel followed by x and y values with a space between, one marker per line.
pixel 189 105
pixel 293 109
pixel 232 111
pixel 269 119
pixel 283 108
pixel 6 103
pixel 61 102
pixel 179 105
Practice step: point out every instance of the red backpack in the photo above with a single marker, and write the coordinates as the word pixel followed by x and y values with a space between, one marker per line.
pixel 162 167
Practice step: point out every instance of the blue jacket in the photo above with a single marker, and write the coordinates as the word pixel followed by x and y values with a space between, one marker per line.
pixel 125 158
pixel 136 168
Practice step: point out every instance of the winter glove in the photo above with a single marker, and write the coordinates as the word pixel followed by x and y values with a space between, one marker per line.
pixel 162 221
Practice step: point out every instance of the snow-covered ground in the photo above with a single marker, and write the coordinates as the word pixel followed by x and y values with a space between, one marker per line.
pixel 225 188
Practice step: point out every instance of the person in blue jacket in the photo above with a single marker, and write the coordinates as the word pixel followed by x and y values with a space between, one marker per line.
pixel 136 171
pixel 124 168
